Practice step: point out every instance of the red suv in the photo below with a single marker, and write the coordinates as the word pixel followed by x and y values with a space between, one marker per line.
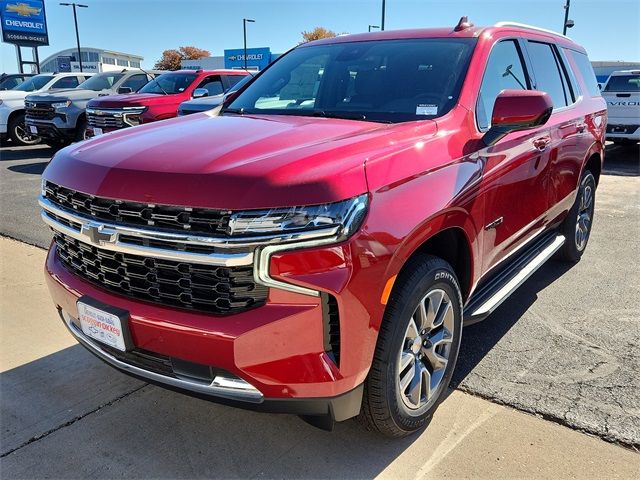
pixel 157 100
pixel 318 247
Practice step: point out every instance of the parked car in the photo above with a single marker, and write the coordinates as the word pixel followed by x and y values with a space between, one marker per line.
pixel 208 103
pixel 12 110
pixel 622 94
pixel 158 100
pixel 12 80
pixel 60 117
pixel 319 253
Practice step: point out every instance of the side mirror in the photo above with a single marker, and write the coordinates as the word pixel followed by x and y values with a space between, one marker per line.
pixel 200 92
pixel 517 110
pixel 125 90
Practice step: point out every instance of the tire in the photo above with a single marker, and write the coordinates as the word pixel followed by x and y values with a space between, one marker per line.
pixel 576 228
pixel 387 406
pixel 81 129
pixel 18 132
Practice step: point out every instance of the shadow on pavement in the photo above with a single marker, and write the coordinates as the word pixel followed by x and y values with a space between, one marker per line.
pixel 31 168
pixel 11 153
pixel 479 339
pixel 622 160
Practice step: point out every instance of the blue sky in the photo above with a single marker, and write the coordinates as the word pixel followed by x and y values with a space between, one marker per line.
pixel 608 29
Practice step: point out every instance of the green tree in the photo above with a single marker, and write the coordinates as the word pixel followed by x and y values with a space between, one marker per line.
pixel 171 59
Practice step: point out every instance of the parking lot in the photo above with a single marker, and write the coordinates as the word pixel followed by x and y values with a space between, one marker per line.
pixel 564 347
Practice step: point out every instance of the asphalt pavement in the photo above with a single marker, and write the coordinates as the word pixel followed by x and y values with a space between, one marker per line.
pixel 565 346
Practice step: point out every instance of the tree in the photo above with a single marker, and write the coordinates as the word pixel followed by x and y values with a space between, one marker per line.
pixel 317 33
pixel 171 58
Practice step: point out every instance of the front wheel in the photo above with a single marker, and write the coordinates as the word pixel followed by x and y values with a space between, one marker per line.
pixel 417 349
pixel 576 228
pixel 19 133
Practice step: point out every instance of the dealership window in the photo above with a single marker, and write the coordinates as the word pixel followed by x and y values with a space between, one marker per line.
pixel 547 73
pixel 134 64
pixel 122 63
pixel 109 60
pixel 504 70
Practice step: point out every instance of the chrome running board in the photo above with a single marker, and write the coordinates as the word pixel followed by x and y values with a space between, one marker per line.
pixel 496 291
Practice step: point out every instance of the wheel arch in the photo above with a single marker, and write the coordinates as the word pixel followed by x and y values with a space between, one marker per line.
pixel 13 114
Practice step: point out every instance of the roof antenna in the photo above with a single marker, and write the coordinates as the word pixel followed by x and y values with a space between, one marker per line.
pixel 463 24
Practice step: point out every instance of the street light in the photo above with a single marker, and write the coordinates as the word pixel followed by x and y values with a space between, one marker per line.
pixel 244 29
pixel 383 11
pixel 75 20
pixel 373 26
pixel 567 23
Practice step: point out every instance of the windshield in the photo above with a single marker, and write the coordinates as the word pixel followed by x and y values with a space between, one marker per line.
pixel 33 83
pixel 102 81
pixel 384 81
pixel 623 83
pixel 169 83
pixel 240 84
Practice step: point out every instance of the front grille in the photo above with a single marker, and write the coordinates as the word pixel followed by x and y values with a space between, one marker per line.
pixel 40 111
pixel 105 120
pixel 213 289
pixel 164 217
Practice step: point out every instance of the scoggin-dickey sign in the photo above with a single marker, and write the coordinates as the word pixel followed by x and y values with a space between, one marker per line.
pixel 24 22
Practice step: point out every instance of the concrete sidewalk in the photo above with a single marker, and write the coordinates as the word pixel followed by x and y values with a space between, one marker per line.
pixel 66 415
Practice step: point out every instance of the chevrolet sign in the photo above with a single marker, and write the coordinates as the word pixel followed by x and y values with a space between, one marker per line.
pixel 24 22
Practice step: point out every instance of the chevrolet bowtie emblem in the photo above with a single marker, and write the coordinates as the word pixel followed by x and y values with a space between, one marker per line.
pixel 94 232
pixel 23 10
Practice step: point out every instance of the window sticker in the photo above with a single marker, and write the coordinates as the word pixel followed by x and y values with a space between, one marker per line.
pixel 426 109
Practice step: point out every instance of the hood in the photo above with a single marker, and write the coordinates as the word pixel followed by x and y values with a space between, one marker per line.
pixel 133 99
pixel 73 94
pixel 8 95
pixel 228 162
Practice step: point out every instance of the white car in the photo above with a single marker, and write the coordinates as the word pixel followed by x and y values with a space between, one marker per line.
pixel 12 103
pixel 622 94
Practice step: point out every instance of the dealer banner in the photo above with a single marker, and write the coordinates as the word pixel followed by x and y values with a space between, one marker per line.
pixel 24 22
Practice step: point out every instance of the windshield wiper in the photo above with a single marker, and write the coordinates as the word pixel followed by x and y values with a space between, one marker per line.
pixel 239 111
pixel 347 116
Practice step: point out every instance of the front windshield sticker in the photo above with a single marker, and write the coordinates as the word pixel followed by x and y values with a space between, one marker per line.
pixel 426 109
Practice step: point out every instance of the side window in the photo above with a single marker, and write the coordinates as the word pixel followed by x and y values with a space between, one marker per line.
pixel 586 72
pixel 135 82
pixel 233 79
pixel 213 85
pixel 547 73
pixel 66 82
pixel 504 70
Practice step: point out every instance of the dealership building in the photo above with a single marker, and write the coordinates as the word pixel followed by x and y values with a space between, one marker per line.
pixel 257 59
pixel 93 60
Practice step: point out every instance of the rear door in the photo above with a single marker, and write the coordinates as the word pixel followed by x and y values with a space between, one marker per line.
pixel 515 173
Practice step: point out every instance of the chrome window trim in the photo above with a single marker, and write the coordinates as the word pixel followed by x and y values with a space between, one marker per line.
pixel 231 388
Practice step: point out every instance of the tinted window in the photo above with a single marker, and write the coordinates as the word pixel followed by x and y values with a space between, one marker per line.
pixel 169 83
pixel 66 82
pixel 34 83
pixel 102 81
pixel 233 79
pixel 504 71
pixel 586 72
pixel 11 82
pixel 623 83
pixel 384 80
pixel 547 73
pixel 213 85
pixel 135 82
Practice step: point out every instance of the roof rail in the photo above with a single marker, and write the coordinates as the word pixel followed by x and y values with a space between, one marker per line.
pixel 529 27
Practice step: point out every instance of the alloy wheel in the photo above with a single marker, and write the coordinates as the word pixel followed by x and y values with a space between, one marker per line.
pixel 425 351
pixel 585 215
pixel 25 136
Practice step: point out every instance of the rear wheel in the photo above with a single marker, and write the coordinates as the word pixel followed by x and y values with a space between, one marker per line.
pixel 417 349
pixel 576 228
pixel 19 133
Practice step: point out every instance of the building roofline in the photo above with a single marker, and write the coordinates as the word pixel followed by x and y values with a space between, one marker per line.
pixel 90 49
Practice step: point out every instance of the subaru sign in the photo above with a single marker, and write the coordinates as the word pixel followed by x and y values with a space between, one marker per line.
pixel 256 58
pixel 24 22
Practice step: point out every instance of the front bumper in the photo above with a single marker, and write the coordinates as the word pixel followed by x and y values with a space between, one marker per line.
pixel 52 129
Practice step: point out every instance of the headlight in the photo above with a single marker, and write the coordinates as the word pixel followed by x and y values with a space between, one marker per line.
pixel 133 115
pixel 341 219
pixel 58 105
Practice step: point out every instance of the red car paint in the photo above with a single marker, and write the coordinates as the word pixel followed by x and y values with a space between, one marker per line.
pixel 159 107
pixel 422 178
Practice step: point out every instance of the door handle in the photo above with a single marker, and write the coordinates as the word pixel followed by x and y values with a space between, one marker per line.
pixel 581 127
pixel 542 143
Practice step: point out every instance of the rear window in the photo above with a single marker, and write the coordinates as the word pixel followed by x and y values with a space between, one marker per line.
pixel 586 72
pixel 623 83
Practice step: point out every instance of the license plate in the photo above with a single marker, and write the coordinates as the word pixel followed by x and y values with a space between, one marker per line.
pixel 100 325
pixel 97 131
pixel 33 129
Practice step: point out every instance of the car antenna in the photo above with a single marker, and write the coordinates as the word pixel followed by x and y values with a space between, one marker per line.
pixel 153 79
pixel 463 24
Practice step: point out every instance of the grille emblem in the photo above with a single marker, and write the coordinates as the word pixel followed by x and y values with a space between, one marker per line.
pixel 94 232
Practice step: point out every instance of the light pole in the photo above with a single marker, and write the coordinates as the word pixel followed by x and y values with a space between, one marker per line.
pixel 244 30
pixel 567 23
pixel 373 26
pixel 383 11
pixel 75 21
